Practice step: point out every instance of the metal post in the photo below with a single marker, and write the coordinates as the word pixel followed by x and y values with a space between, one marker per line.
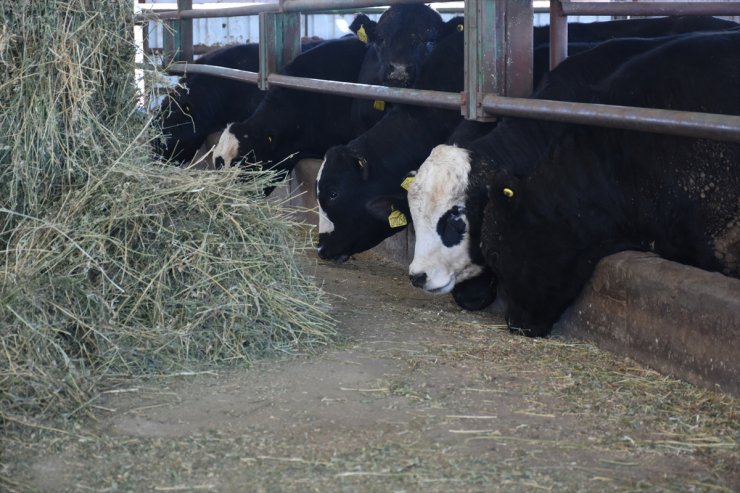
pixel 558 34
pixel 184 34
pixel 280 42
pixel 498 52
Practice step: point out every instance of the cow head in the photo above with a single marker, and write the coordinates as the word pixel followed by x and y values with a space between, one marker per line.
pixel 349 194
pixel 243 141
pixel 403 38
pixel 185 120
pixel 447 249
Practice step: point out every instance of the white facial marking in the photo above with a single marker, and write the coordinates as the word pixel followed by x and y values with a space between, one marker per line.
pixel 227 147
pixel 325 224
pixel 438 186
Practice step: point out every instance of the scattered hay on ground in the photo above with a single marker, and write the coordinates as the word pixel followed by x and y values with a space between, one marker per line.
pixel 114 266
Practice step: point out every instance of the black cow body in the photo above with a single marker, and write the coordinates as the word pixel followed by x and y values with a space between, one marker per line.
pixel 289 122
pixel 203 104
pixel 637 28
pixel 457 179
pixel 599 191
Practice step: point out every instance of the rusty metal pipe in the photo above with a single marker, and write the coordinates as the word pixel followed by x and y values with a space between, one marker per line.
pixel 651 8
pixel 684 123
pixel 558 34
pixel 286 6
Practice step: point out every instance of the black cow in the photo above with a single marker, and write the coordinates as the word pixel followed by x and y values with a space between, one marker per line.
pixel 449 192
pixel 637 28
pixel 291 122
pixel 203 104
pixel 600 191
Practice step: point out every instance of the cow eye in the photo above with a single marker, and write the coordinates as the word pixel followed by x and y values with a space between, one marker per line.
pixel 333 195
pixel 186 108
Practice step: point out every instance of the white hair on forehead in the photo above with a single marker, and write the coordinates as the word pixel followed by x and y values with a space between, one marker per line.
pixel 227 147
pixel 325 224
pixel 440 182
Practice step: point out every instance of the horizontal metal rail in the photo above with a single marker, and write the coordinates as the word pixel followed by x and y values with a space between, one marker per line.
pixel 683 123
pixel 439 99
pixel 287 6
pixel 651 8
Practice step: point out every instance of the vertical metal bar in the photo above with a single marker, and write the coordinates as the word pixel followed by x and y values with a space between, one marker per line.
pixel 498 52
pixel 280 42
pixel 558 34
pixel 184 27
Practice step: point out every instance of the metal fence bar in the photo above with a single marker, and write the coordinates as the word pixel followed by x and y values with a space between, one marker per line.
pixel 558 34
pixel 283 7
pixel 683 123
pixel 226 73
pixel 651 8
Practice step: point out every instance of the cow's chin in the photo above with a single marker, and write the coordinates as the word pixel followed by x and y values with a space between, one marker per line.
pixel 441 289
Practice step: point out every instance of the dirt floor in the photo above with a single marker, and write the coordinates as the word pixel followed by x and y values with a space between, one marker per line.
pixel 416 396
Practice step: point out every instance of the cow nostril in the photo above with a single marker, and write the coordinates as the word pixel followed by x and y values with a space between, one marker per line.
pixel 418 280
pixel 219 163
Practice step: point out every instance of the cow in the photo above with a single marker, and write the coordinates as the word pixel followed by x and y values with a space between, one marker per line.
pixel 355 202
pixel 600 191
pixel 290 124
pixel 638 28
pixel 449 193
pixel 305 124
pixel 202 104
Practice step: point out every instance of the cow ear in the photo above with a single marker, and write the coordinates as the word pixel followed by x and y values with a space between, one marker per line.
pixel 384 209
pixel 363 28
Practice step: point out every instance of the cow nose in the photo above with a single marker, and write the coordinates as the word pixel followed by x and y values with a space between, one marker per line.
pixel 418 280
pixel 219 162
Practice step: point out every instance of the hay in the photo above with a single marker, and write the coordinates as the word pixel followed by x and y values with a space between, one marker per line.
pixel 113 266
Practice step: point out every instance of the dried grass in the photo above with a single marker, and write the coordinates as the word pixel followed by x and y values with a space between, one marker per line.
pixel 113 266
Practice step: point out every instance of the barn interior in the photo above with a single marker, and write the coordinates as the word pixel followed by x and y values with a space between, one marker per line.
pixel 637 389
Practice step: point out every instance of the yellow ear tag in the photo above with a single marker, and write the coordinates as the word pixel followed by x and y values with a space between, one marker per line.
pixel 460 27
pixel 508 192
pixel 379 105
pixel 406 183
pixel 397 219
pixel 361 34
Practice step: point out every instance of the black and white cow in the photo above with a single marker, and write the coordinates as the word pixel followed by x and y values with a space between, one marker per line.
pixel 201 104
pixel 599 191
pixel 449 193
pixel 291 122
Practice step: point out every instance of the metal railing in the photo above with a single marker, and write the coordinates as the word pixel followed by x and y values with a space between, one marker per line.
pixel 477 100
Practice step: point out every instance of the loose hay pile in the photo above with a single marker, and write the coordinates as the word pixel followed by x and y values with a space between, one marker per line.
pixel 114 266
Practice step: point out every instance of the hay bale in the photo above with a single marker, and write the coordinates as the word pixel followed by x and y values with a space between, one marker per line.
pixel 114 266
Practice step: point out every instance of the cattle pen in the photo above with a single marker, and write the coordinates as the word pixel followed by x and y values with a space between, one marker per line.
pixel 170 325
pixel 497 42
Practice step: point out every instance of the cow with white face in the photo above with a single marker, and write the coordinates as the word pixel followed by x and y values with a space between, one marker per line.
pixel 447 256
pixel 449 194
